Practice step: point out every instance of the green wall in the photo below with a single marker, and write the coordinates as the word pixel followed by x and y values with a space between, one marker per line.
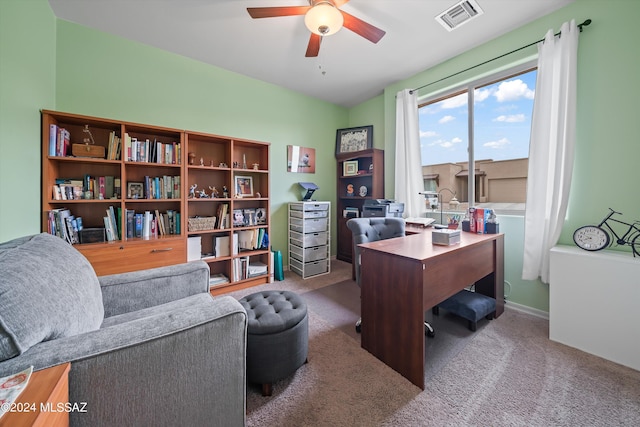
pixel 27 84
pixel 607 153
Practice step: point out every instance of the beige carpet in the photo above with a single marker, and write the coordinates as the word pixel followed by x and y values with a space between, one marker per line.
pixel 507 374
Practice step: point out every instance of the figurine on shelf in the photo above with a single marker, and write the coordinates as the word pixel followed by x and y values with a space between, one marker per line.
pixel 236 164
pixel 214 192
pixel 244 161
pixel 192 191
pixel 201 161
pixel 256 166
pixel 225 192
pixel 192 158
pixel 223 165
pixel 211 164
pixel 203 194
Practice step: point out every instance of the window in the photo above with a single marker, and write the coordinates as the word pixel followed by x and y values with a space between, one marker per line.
pixel 497 146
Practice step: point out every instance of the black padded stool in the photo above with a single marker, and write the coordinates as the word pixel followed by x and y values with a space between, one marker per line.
pixel 469 305
pixel 277 336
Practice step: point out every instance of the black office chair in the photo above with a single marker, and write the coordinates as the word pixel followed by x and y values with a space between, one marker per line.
pixel 366 230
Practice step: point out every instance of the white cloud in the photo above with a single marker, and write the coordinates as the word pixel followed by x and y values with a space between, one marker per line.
pixel 428 133
pixel 446 119
pixel 454 102
pixel 447 144
pixel 497 144
pixel 480 95
pixel 513 90
pixel 514 118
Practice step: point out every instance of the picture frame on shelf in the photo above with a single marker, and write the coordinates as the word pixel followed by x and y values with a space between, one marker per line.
pixel 354 139
pixel 135 190
pixel 244 186
pixel 350 167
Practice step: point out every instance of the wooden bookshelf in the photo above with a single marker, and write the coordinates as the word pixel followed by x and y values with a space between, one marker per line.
pixel 369 174
pixel 155 178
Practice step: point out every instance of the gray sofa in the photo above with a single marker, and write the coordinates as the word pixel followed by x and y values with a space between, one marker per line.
pixel 149 348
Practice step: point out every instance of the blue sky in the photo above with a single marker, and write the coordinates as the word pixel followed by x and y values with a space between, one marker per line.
pixel 502 117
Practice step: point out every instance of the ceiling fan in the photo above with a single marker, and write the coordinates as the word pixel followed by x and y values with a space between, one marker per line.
pixel 322 18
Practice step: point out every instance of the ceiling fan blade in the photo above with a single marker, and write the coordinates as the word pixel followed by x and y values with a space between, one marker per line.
pixel 339 3
pixel 273 12
pixel 364 29
pixel 313 48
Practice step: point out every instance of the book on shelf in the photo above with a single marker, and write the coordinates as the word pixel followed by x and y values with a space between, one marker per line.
pixel 221 246
pixel 217 279
pixel 250 216
pixel 194 248
pixel 59 141
pixel 238 218
pixel 256 268
pixel 261 216
pixel 223 216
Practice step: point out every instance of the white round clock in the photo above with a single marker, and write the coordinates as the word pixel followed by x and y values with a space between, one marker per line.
pixel 591 238
pixel 363 191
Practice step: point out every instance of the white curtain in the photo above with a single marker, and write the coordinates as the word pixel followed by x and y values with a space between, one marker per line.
pixel 551 149
pixel 409 182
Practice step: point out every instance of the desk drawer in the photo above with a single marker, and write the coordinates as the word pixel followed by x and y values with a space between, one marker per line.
pixel 124 256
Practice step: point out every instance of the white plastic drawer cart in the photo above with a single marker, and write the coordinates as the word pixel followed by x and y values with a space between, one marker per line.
pixel 309 238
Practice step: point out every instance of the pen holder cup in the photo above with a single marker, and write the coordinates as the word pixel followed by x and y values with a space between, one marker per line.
pixel 452 226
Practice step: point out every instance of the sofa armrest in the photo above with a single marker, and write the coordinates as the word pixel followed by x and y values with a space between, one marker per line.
pixel 185 363
pixel 126 292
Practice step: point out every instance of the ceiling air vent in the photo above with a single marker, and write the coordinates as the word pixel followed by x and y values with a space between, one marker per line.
pixel 459 14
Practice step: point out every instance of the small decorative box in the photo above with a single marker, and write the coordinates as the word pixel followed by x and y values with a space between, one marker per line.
pixel 445 237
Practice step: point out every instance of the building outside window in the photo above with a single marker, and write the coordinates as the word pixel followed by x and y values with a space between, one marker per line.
pixel 499 116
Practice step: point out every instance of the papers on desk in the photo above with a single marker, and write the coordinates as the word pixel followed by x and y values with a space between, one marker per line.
pixel 11 387
pixel 420 222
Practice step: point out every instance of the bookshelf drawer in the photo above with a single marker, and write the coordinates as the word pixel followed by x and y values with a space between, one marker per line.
pixel 120 257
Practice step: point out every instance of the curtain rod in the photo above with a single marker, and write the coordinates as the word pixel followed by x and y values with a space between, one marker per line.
pixel 584 24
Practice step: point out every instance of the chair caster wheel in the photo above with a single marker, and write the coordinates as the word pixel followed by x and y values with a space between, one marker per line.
pixel 359 326
pixel 428 331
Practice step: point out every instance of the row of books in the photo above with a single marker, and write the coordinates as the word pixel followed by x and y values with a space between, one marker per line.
pixel 114 148
pixel 249 240
pixel 100 187
pixel 59 141
pixel 149 224
pixel 243 268
pixel 250 216
pixel 151 151
pixel 63 224
pixel 158 187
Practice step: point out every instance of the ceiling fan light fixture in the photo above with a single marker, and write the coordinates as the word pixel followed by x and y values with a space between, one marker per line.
pixel 324 19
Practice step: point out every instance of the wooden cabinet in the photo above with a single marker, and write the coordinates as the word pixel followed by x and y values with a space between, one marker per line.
pixel 360 176
pixel 309 238
pixel 160 176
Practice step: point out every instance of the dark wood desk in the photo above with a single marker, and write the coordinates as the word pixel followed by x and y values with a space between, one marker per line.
pixel 401 278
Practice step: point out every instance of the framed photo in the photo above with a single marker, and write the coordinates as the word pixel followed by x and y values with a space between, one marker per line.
pixel 354 139
pixel 350 167
pixel 244 186
pixel 135 190
pixel 301 159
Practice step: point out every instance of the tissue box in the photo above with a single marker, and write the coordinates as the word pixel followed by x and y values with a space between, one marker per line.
pixel 445 237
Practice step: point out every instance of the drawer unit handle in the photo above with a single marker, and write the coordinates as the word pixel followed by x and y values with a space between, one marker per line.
pixel 161 250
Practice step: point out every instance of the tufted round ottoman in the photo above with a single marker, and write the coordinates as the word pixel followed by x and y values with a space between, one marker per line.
pixel 277 336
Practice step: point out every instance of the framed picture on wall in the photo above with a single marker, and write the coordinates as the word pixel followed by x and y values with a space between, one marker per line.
pixel 350 167
pixel 350 140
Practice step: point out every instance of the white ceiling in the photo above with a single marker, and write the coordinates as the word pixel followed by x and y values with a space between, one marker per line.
pixel 349 68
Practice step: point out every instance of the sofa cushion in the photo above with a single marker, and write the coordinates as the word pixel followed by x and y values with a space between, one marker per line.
pixel 48 290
